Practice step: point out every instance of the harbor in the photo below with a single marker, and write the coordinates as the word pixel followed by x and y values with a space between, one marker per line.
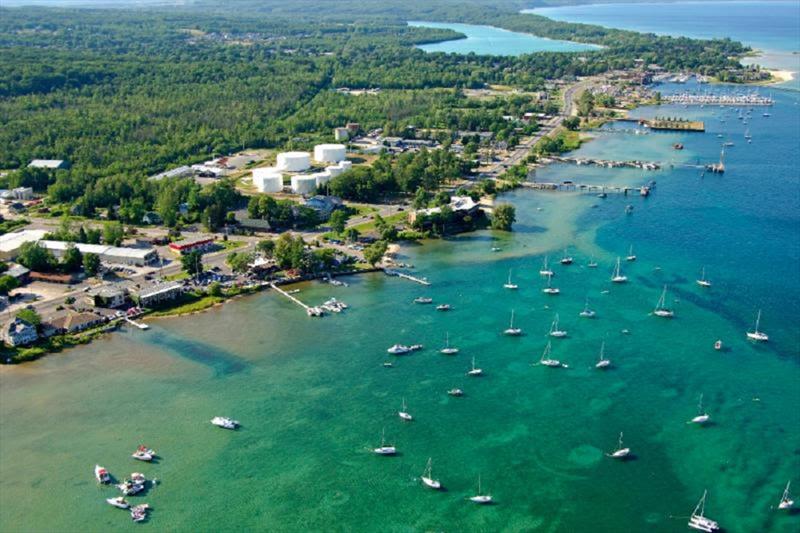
pixel 723 99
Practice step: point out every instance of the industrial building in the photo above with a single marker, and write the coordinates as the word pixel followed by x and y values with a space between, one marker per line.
pixel 108 254
pixel 335 170
pixel 322 178
pixel 294 161
pixel 10 243
pixel 49 164
pixel 329 153
pixel 267 179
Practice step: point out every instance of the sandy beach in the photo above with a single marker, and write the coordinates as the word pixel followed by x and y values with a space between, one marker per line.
pixel 782 76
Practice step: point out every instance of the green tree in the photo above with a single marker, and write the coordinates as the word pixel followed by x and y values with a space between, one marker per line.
pixel 192 262
pixel 572 123
pixel 91 264
pixel 8 284
pixel 36 257
pixel 375 252
pixel 113 233
pixel 30 316
pixel 72 259
pixel 503 217
pixel 290 251
pixel 338 221
pixel 215 289
pixel 239 261
pixel 266 247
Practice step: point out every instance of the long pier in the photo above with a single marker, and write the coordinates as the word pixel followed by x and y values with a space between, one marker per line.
pixel 403 275
pixel 643 190
pixel 644 165
pixel 311 311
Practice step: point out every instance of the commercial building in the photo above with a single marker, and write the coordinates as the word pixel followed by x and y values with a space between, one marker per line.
pixel 108 297
pixel 74 322
pixel 158 293
pixel 119 255
pixel 49 164
pixel 10 243
pixel 184 247
pixel 19 332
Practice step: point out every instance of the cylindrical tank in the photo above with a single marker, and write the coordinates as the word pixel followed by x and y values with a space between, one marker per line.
pixel 346 165
pixel 304 184
pixel 268 179
pixel 294 161
pixel 329 153
pixel 334 170
pixel 322 177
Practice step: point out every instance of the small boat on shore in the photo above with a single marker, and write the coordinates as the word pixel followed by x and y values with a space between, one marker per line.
pixel 702 417
pixel 224 422
pixel 384 449
pixel 508 284
pixel 404 414
pixel 423 300
pixel 617 276
pixel 427 477
pixel 118 502
pixel 474 372
pixel 511 331
pixel 448 350
pixel 602 362
pixel 621 452
pixel 786 500
pixel 554 331
pixel 755 335
pixel 546 360
pixel 661 310
pixel 480 497
pixel 703 282
pixel 101 474
pixel 698 519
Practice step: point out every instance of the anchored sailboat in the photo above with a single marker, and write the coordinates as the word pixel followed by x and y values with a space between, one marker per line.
pixel 511 330
pixel 587 312
pixel 546 360
pixel 661 308
pixel 602 362
pixel 786 500
pixel 702 417
pixel 480 497
pixel 550 289
pixel 404 414
pixel 474 372
pixel 631 256
pixel 698 519
pixel 566 259
pixel 621 452
pixel 448 350
pixel 385 449
pixel 617 277
pixel 554 331
pixel 703 282
pixel 427 477
pixel 545 271
pixel 508 284
pixel 592 263
pixel 756 335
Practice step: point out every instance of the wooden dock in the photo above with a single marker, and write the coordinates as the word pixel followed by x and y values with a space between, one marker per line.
pixel 140 325
pixel 569 186
pixel 403 275
pixel 310 311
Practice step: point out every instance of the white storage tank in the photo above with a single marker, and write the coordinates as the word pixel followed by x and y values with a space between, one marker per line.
pixel 294 161
pixel 346 165
pixel 334 170
pixel 329 153
pixel 304 184
pixel 267 179
pixel 322 177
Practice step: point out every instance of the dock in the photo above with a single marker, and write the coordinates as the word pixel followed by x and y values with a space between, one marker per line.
pixel 736 100
pixel 644 165
pixel 569 186
pixel 310 311
pixel 403 275
pixel 140 325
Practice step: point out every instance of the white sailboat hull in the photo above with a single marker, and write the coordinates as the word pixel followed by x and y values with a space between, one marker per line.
pixel 757 336
pixel 481 499
pixel 619 279
pixel 550 291
pixel 512 286
pixel 385 450
pixel 664 313
pixel 786 504
pixel 553 363
pixel 405 416
pixel 605 363
pixel 559 334
pixel 621 453
pixel 513 332
pixel 475 372
pixel 701 419
pixel 431 483
pixel 449 351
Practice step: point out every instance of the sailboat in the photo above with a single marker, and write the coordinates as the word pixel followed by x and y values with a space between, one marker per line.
pixel 383 449
pixel 546 360
pixel 511 330
pixel 592 263
pixel 747 134
pixel 404 414
pixel 427 477
pixel 786 500
pixel 587 312
pixel 566 259
pixel 621 452
pixel 661 309
pixel 602 362
pixel 481 498
pixel 617 277
pixel 702 417
pixel 448 350
pixel 474 372
pixel 554 331
pixel 703 282
pixel 756 335
pixel 631 256
pixel 549 289
pixel 508 284
pixel 545 271
pixel 698 519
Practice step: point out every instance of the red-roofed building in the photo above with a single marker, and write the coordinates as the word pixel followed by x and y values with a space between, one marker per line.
pixel 184 247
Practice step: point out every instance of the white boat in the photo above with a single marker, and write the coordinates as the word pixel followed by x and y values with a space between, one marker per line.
pixel 718 345
pixel 755 335
pixel 224 422
pixel 702 417
pixel 617 277
pixel 631 256
pixel 511 331
pixel 118 502
pixel 474 372
pixel 545 360
pixel 698 519
pixel 448 350
pixel 404 414
pixel 480 497
pixel 661 308
pixel 786 500
pixel 508 284
pixel 550 289
pixel 455 392
pixel 427 477
pixel 443 307
pixel 566 259
pixel 545 271
pixel 399 349
pixel 130 487
pixel 703 282
pixel 602 362
pixel 747 134
pixel 144 453
pixel 554 331
pixel 101 474
pixel 592 263
pixel 423 300
pixel 621 452
pixel 139 512
pixel 384 449
pixel 587 312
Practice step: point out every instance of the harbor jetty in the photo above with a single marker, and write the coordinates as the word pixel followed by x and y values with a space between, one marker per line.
pixel 644 165
pixel 397 273
pixel 737 100
pixel 599 190
pixel 667 124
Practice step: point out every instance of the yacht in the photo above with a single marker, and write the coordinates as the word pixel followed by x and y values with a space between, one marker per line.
pixel 545 271
pixel 511 330
pixel 699 521
pixel 480 497
pixel 546 360
pixel 566 259
pixel 101 474
pixel 143 453
pixel 702 417
pixel 119 502
pixel 448 350
pixel 225 422
pixel 602 362
pixel 703 282
pixel 423 300
pixel 765 114
pixel 617 277
pixel 755 335
pixel 455 392
pixel 427 477
pixel 474 372
pixel 587 312
pixel 631 256
pixel 404 414
pixel 443 307
pixel 661 309
pixel 549 289
pixel 384 449
pixel 399 349
pixel 130 487
pixel 621 452
pixel 786 500
pixel 508 284
pixel 554 331
pixel 139 512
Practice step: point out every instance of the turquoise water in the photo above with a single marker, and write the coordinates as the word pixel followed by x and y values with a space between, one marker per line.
pixel 770 26
pixel 488 40
pixel 313 395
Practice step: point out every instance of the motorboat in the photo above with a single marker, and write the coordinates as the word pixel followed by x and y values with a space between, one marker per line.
pixel 225 422
pixel 545 271
pixel 101 474
pixel 661 310
pixel 631 256
pixel 545 360
pixel 702 417
pixel 554 331
pixel 511 331
pixel 617 277
pixel 474 372
pixel 455 392
pixel 621 452
pixel 139 512
pixel 718 345
pixel 384 449
pixel 703 282
pixel 423 300
pixel 118 502
pixel 480 497
pixel 602 362
pixel 427 477
pixel 587 312
pixel 698 519
pixel 508 284
pixel 756 335
pixel 448 350
pixel 399 349
pixel 144 453
pixel 404 414
pixel 129 487
pixel 443 307
pixel 786 500
pixel 388 364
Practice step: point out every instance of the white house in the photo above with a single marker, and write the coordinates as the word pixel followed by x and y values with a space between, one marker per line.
pixel 19 332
